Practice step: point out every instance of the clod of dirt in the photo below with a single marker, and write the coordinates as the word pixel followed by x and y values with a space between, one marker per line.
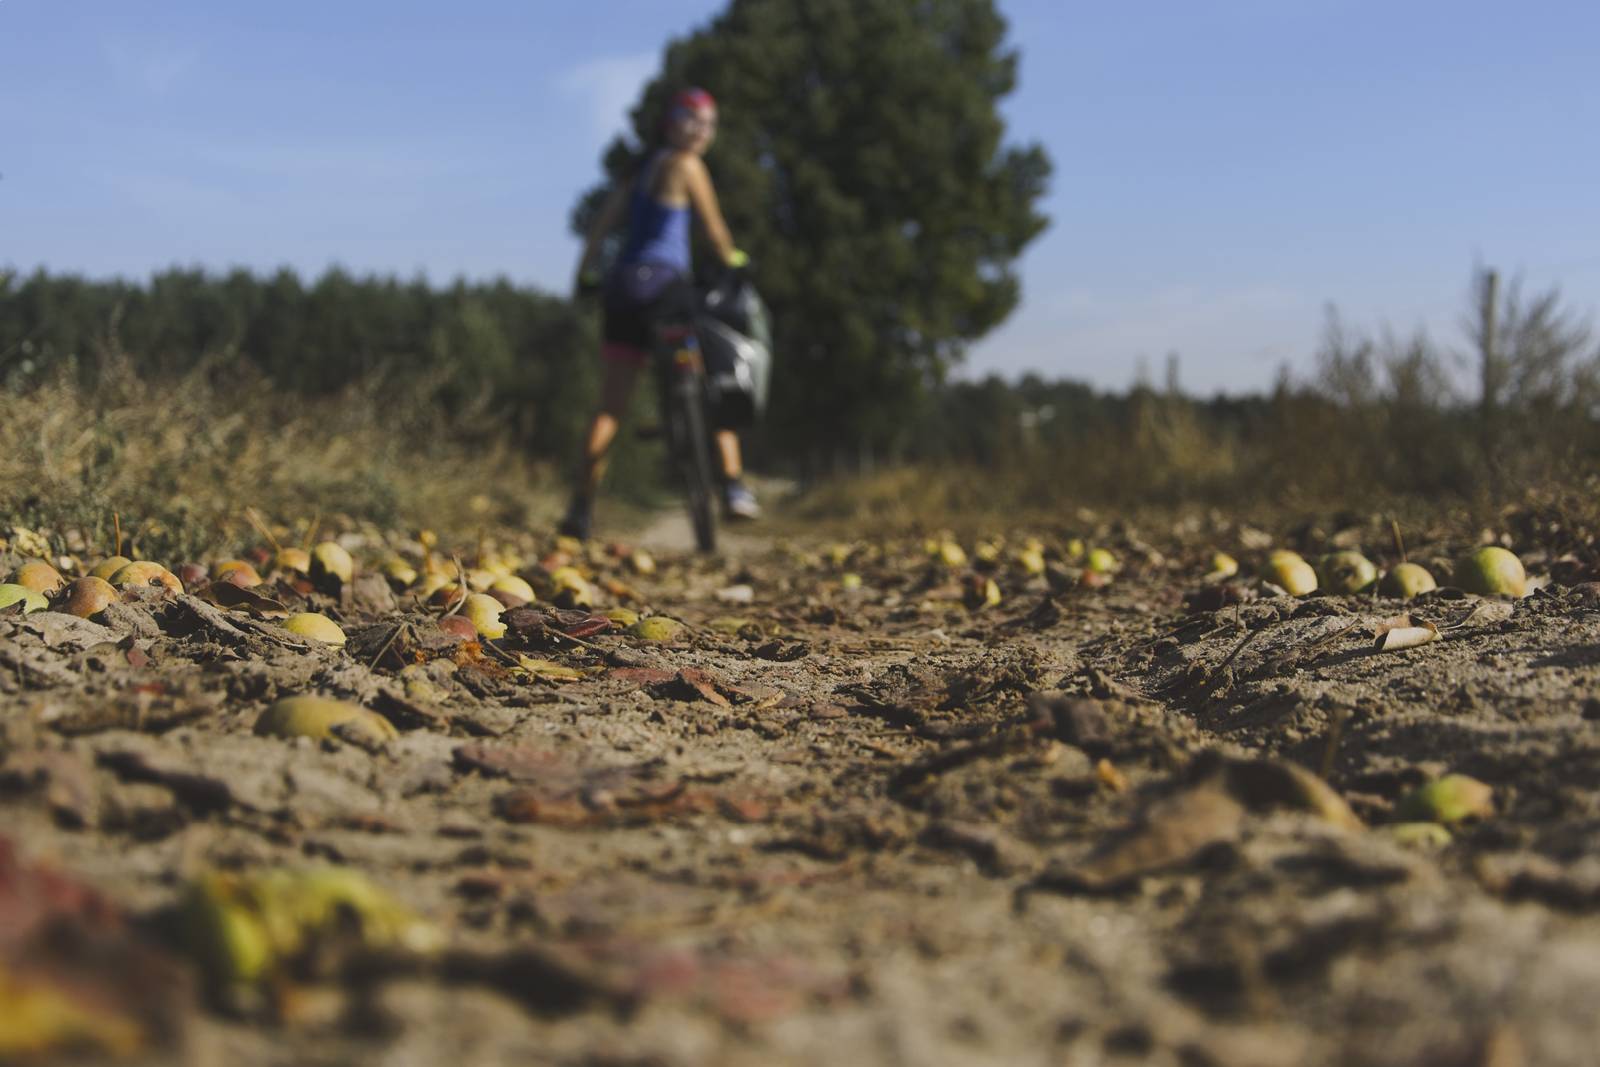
pixel 1079 721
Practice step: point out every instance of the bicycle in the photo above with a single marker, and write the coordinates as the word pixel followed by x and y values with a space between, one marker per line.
pixel 681 381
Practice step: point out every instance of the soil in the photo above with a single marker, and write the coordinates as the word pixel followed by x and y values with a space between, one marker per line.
pixel 1150 821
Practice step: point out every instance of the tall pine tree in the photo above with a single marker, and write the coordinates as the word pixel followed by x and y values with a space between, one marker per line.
pixel 861 162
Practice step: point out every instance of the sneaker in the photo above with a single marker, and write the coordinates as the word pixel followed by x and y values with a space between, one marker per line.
pixel 740 502
pixel 579 517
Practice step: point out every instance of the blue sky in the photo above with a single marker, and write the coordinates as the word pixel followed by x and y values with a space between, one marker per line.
pixel 1223 169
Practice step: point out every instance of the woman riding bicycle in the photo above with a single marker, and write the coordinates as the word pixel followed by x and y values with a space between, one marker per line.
pixel 652 284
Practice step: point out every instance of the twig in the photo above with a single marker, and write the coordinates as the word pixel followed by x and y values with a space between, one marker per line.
pixel 1302 650
pixel 392 637
pixel 311 531
pixel 1216 673
pixel 497 650
pixel 1399 544
pixel 580 642
pixel 116 524
pixel 261 528
pixel 461 588
pixel 1335 733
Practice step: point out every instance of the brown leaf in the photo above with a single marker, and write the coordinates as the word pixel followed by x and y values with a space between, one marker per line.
pixel 691 684
pixel 1170 833
pixel 520 763
pixel 230 596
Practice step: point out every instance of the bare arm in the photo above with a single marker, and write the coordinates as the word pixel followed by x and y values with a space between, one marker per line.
pixel 604 222
pixel 704 199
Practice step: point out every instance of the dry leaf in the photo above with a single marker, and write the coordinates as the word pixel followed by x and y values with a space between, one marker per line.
pixel 545 670
pixel 1395 638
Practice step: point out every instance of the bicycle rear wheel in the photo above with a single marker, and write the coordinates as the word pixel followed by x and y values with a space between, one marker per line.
pixel 691 454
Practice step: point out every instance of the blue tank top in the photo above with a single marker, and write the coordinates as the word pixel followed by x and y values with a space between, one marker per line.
pixel 657 232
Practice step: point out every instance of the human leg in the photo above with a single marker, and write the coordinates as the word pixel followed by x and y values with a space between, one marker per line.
pixel 621 370
pixel 738 501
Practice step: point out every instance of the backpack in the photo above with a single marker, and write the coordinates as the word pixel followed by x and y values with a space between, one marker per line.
pixel 736 344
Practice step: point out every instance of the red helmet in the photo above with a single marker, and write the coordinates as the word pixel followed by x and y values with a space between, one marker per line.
pixel 687 102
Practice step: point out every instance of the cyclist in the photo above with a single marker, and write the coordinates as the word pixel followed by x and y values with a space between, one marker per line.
pixel 652 282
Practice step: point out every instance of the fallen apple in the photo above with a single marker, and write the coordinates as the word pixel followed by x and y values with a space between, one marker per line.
pixel 39 576
pixel 292 559
pixel 143 572
pixel 109 566
pixel 1406 580
pixel 483 611
pixel 512 586
pixel 1101 561
pixel 1347 572
pixel 1223 567
pixel 87 597
pixel 1290 572
pixel 656 628
pixel 236 572
pixel 322 718
pixel 31 600
pixel 1492 571
pixel 315 627
pixel 330 563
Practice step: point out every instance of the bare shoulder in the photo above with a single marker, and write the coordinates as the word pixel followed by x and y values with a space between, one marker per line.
pixel 685 164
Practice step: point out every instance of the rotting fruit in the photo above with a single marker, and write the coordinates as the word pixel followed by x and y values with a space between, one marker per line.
pixel 1290 572
pixel 87 597
pixel 1406 580
pixel 1492 571
pixel 1223 566
pixel 293 559
pixel 31 600
pixel 483 611
pixel 315 626
pixel 1101 561
pixel 323 718
pixel 1451 799
pixel 1347 572
pixel 236 572
pixel 147 573
pixel 511 586
pixel 109 566
pixel 656 628
pixel 329 560
pixel 39 576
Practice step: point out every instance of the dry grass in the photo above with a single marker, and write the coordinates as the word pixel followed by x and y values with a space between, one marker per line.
pixel 180 460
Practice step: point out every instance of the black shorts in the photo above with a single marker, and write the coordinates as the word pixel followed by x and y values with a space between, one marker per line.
pixel 641 296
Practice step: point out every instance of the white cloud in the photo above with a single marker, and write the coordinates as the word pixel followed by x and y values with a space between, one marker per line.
pixel 607 88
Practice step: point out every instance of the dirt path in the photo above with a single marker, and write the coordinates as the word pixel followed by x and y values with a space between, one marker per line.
pixel 857 823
